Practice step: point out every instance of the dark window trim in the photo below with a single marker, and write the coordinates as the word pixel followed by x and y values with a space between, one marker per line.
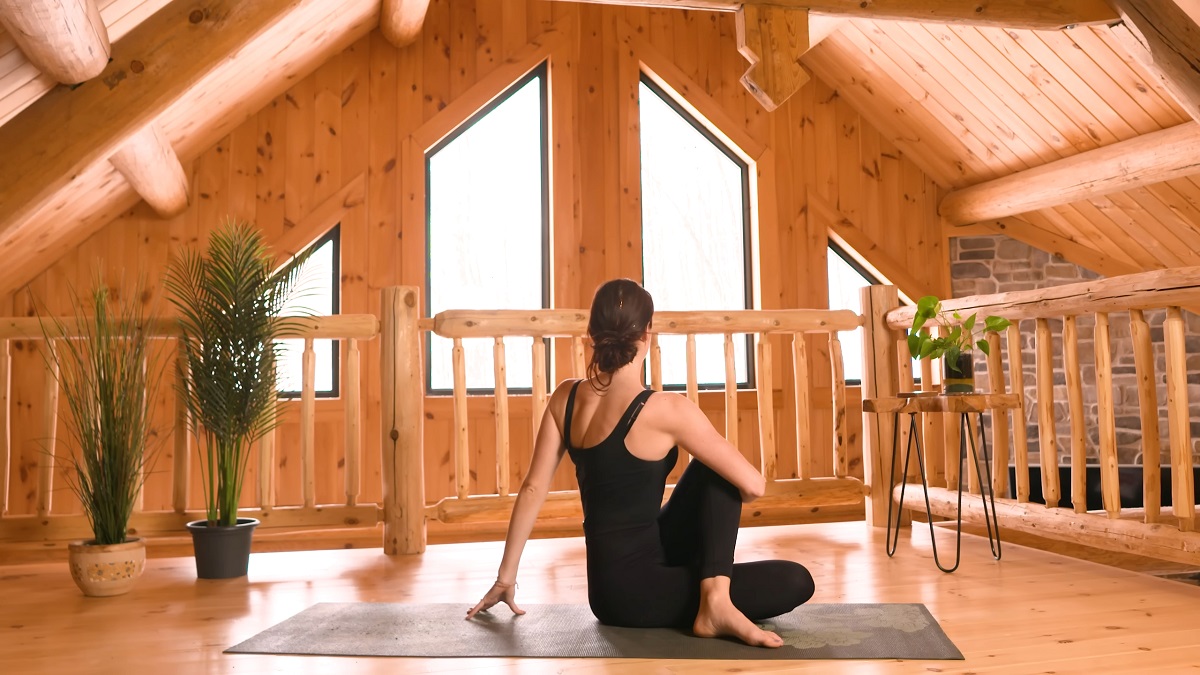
pixel 334 235
pixel 541 73
pixel 747 226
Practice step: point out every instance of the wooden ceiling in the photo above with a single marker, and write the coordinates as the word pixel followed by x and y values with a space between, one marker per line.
pixel 969 101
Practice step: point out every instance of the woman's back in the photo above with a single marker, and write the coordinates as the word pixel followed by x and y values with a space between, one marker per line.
pixel 618 489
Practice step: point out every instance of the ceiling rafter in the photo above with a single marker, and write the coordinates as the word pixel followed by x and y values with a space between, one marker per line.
pixel 65 39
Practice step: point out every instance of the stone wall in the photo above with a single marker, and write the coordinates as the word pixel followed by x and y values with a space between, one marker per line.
pixel 1000 264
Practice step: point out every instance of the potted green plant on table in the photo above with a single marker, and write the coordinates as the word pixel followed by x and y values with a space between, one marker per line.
pixel 229 302
pixel 107 375
pixel 955 344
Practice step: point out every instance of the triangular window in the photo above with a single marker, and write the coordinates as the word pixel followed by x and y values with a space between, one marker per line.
pixel 317 295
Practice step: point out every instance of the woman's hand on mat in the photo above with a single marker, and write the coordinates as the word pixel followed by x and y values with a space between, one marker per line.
pixel 500 592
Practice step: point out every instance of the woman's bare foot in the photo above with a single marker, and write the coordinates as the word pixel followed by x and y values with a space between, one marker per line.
pixel 718 617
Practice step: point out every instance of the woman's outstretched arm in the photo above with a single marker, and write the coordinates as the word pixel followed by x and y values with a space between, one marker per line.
pixel 689 427
pixel 548 450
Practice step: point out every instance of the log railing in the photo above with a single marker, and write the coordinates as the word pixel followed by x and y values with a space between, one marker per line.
pixel 1154 530
pixel 403 394
pixel 49 527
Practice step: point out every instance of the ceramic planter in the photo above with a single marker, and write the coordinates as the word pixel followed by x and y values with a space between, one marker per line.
pixel 105 570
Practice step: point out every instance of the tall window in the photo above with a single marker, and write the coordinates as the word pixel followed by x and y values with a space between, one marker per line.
pixel 846 278
pixel 316 295
pixel 488 222
pixel 695 231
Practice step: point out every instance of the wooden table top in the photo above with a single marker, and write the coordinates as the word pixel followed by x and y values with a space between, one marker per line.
pixel 934 402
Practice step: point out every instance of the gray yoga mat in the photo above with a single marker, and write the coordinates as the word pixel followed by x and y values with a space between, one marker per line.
pixel 815 631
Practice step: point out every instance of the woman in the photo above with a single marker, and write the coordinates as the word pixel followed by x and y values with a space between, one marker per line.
pixel 649 566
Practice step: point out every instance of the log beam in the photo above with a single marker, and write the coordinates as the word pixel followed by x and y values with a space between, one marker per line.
pixel 65 39
pixel 1165 39
pixel 1034 14
pixel 1150 158
pixel 773 39
pixel 149 163
pixel 400 20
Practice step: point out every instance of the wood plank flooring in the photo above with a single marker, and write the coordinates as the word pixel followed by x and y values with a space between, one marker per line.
pixel 1033 612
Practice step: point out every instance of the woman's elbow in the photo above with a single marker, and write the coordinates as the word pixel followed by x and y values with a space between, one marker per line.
pixel 756 489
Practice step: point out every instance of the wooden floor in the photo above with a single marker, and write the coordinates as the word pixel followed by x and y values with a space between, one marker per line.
pixel 1034 612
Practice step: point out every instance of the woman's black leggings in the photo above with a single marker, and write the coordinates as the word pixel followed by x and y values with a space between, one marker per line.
pixel 650 577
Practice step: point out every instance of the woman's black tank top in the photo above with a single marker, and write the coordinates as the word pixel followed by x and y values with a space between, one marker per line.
pixel 618 490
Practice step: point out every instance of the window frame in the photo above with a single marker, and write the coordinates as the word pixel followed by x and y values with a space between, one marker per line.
pixel 334 235
pixel 540 72
pixel 748 248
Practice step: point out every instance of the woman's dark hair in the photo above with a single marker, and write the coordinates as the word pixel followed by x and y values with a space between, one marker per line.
pixel 620 316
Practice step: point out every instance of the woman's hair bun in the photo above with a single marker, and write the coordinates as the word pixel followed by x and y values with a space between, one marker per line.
pixel 620 316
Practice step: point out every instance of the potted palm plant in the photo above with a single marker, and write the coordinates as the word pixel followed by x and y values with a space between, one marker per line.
pixel 955 344
pixel 229 302
pixel 107 376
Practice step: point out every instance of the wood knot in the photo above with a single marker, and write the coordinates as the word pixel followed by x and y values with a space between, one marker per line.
pixel 410 299
pixel 196 16
pixel 394 435
pixel 137 66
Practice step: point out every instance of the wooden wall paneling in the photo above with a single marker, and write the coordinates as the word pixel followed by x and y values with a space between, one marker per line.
pixel 900 117
pixel 565 181
pixel 1132 248
pixel 624 245
pixel 824 180
pixel 596 145
pixel 976 84
pixel 1002 149
pixel 541 16
pixel 1152 84
pixel 896 66
pixel 435 58
pixel 708 56
pixel 327 110
pixel 301 167
pixel 1057 81
pixel 1161 212
pixel 514 26
pixel 243 165
pixel 1125 215
pixel 463 43
pixel 999 49
pixel 270 168
pixel 1174 197
pixel 1132 80
pixel 489 17
pixel 1125 113
pixel 685 51
pixel 1175 242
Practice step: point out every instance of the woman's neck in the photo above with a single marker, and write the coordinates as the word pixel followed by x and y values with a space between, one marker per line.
pixel 628 376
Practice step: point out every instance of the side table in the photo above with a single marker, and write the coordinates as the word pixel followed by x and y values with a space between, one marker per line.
pixel 963 405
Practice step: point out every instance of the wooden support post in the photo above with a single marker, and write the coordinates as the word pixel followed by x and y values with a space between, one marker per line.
pixel 1109 481
pixel 1143 358
pixel 503 470
pixel 803 406
pixel 999 418
pixel 65 39
pixel 1178 422
pixel 952 438
pixel 462 461
pixel 693 387
pixel 879 381
pixel 731 412
pixel 1075 408
pixel 1016 373
pixel 5 423
pixel 266 470
pixel 403 400
pixel 932 438
pixel 656 381
pixel 841 460
pixel 578 362
pixel 308 424
pixel 772 39
pixel 353 396
pixel 1047 440
pixel 768 458
pixel 182 434
pixel 539 383
pixel 45 483
pixel 152 168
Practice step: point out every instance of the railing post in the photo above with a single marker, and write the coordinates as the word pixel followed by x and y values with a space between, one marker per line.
pixel 5 447
pixel 402 403
pixel 880 379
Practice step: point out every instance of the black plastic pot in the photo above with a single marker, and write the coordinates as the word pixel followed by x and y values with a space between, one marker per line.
pixel 222 552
